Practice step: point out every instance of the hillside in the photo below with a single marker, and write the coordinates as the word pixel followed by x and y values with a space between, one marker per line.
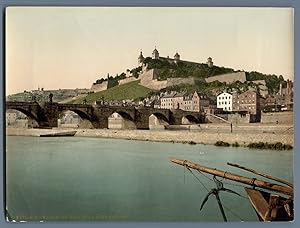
pixel 184 69
pixel 130 90
pixel 59 95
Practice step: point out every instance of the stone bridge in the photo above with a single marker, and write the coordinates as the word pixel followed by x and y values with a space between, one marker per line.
pixel 47 114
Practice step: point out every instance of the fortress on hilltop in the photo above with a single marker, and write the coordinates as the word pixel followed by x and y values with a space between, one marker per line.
pixel 175 59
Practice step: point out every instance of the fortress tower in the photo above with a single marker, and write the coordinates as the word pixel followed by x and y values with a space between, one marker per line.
pixel 209 62
pixel 155 54
pixel 176 57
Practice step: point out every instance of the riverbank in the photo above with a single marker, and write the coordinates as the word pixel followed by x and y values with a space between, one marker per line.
pixel 211 134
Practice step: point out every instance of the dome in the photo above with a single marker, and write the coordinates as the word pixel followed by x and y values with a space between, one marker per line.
pixel 176 55
pixel 155 51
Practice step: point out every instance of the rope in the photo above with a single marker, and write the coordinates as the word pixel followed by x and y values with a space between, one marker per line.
pixel 233 213
pixel 184 168
pixel 236 215
pixel 199 180
pixel 205 175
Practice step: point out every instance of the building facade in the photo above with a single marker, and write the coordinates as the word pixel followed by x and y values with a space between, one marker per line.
pixel 187 102
pixel 224 101
pixel 11 118
pixel 167 101
pixel 178 101
pixel 249 101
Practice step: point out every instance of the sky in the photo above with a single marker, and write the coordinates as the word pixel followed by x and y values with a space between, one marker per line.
pixel 72 47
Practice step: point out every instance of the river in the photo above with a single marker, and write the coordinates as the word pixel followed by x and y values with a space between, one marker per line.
pixel 78 178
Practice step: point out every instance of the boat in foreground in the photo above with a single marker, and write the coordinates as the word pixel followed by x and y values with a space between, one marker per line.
pixel 271 201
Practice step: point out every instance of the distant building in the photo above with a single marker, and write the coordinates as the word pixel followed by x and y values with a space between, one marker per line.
pixel 178 101
pixel 212 109
pixel 249 101
pixel 286 91
pixel 187 102
pixel 167 101
pixel 11 117
pixel 224 101
pixel 157 104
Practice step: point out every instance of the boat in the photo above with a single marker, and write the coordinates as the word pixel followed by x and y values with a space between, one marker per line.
pixel 59 134
pixel 271 201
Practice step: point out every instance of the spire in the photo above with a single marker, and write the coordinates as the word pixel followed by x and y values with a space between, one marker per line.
pixel 141 58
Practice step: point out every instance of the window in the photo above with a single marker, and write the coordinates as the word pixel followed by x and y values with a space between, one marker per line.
pixel 228 102
pixel 225 102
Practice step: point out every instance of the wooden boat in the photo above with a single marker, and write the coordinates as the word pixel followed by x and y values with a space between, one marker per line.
pixel 59 134
pixel 263 195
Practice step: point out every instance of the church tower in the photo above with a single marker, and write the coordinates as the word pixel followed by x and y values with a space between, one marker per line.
pixel 155 54
pixel 141 58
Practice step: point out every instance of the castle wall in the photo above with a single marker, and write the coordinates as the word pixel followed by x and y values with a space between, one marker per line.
pixel 228 78
pixel 149 80
pixel 127 80
pixel 99 87
pixel 177 81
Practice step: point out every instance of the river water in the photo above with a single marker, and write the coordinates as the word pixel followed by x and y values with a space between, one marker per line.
pixel 73 178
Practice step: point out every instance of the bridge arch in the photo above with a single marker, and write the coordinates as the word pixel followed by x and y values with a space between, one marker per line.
pixel 127 113
pixel 124 114
pixel 158 120
pixel 33 120
pixel 85 121
pixel 191 119
pixel 160 116
pixel 121 120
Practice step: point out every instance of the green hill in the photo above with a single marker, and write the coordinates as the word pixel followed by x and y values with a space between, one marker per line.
pixel 131 90
pixel 183 69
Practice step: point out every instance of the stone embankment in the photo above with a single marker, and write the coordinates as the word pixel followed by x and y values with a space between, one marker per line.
pixel 205 134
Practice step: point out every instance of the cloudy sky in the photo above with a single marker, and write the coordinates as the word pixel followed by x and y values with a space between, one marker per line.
pixel 71 47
